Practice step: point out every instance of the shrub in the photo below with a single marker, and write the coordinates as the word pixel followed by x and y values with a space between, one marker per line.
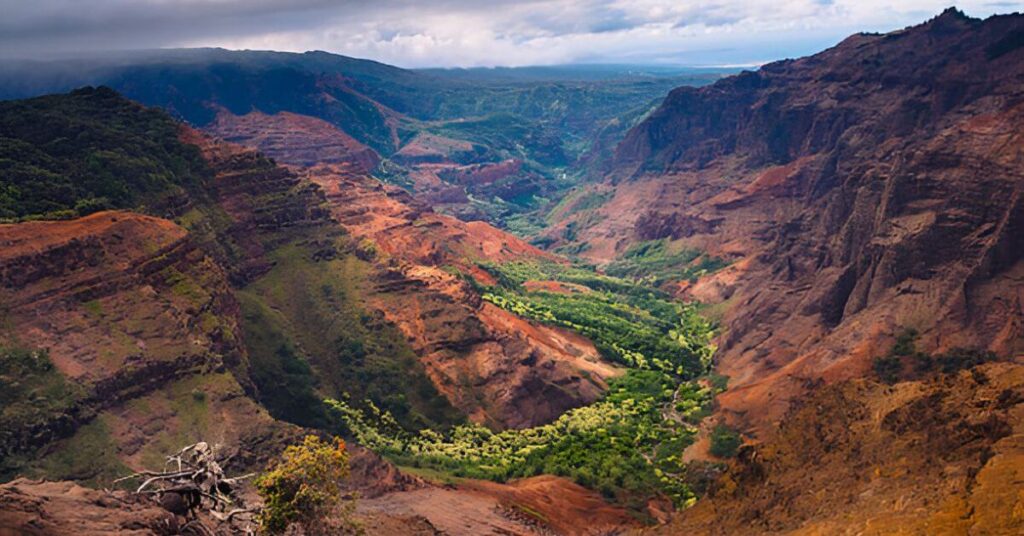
pixel 303 488
pixel 725 441
pixel 888 368
pixel 905 362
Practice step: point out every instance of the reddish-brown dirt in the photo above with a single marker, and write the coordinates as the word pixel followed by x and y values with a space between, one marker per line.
pixel 39 508
pixel 942 456
pixel 144 323
pixel 500 369
pixel 543 505
pixel 293 138
pixel 872 187
pixel 428 148
pixel 52 270
pixel 535 506
pixel 32 508
pixel 481 174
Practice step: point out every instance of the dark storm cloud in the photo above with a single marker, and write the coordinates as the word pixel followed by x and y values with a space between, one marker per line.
pixel 40 27
pixel 464 32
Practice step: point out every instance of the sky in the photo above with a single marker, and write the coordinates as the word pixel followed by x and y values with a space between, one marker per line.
pixel 469 33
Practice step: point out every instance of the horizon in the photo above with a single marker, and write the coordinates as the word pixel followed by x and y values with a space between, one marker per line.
pixel 461 35
pixel 669 69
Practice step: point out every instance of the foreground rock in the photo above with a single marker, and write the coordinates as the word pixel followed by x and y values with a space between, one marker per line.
pixel 36 508
pixel 543 506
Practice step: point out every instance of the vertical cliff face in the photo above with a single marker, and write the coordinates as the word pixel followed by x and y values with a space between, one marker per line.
pixel 872 187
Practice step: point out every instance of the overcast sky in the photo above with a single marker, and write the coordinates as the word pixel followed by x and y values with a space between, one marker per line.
pixel 468 33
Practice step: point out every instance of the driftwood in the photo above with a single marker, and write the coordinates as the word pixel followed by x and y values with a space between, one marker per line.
pixel 196 484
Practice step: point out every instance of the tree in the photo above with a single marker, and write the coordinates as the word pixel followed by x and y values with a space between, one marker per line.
pixel 303 488
pixel 725 441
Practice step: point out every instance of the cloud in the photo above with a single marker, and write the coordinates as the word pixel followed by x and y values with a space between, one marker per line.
pixel 467 33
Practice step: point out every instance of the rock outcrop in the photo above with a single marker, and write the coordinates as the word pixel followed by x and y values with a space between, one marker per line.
pixel 292 138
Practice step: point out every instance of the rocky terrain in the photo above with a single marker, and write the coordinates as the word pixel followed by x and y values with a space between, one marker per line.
pixel 196 307
pixel 871 188
pixel 142 332
pixel 259 293
pixel 293 139
pixel 339 106
pixel 940 456
pixel 521 373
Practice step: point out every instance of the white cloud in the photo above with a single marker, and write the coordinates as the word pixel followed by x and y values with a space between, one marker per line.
pixel 471 33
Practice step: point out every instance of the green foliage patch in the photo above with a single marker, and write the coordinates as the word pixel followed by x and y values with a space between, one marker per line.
pixel 89 457
pixel 725 441
pixel 624 445
pixel 32 393
pixel 657 262
pixel 905 362
pixel 303 488
pixel 628 445
pixel 628 322
pixel 70 155
pixel 309 336
pixel 31 387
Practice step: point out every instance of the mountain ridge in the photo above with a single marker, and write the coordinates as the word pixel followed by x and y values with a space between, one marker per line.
pixel 852 191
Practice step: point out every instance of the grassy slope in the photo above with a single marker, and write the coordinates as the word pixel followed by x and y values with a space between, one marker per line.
pixel 310 336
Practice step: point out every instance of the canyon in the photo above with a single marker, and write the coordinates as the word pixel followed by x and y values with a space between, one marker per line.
pixel 851 222
pixel 867 189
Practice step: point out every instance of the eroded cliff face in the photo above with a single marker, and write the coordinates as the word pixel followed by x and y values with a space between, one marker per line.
pixel 872 187
pixel 942 456
pixel 141 325
pixel 499 369
pixel 293 138
pixel 400 260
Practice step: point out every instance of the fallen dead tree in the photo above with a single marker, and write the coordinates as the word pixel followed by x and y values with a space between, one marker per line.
pixel 194 485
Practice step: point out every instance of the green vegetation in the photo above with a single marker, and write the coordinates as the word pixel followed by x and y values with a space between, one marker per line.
pixel 309 337
pixel 905 362
pixel 31 389
pixel 627 445
pixel 32 394
pixel 628 322
pixel 303 488
pixel 724 441
pixel 89 456
pixel 71 155
pixel 657 262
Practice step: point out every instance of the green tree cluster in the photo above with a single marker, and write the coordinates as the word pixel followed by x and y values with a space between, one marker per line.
pixel 303 488
pixel 71 155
